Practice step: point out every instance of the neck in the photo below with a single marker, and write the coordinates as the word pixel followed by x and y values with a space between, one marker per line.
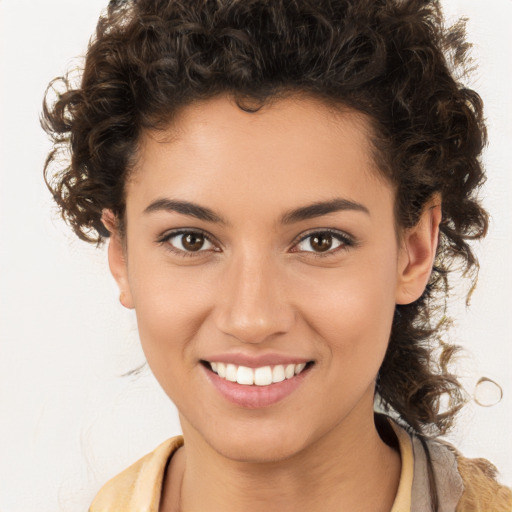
pixel 347 469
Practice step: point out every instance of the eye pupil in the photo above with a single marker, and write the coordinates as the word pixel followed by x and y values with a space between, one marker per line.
pixel 192 241
pixel 321 242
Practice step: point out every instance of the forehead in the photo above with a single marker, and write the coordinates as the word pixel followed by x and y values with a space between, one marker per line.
pixel 288 151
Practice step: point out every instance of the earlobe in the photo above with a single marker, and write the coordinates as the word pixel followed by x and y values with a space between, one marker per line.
pixel 117 259
pixel 417 253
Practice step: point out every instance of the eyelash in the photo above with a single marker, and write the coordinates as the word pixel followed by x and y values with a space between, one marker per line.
pixel 185 254
pixel 346 242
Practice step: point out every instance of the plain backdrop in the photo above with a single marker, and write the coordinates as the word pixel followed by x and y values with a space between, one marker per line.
pixel 69 419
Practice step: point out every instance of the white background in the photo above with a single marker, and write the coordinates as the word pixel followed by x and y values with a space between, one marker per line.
pixel 68 419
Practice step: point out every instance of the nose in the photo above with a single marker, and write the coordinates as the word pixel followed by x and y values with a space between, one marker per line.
pixel 252 306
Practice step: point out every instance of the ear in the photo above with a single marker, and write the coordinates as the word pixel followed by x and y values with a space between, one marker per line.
pixel 117 258
pixel 417 253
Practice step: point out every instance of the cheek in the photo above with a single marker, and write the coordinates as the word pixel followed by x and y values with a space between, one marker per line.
pixel 351 323
pixel 352 308
pixel 170 305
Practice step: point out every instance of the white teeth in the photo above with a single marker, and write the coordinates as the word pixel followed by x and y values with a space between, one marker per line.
pixel 231 372
pixel 278 373
pixel 245 376
pixel 299 368
pixel 262 376
pixel 289 371
pixel 221 370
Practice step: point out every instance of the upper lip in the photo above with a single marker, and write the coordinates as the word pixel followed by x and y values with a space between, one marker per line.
pixel 256 361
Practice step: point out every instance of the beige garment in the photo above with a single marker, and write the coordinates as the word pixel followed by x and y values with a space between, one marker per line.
pixel 464 485
pixel 139 487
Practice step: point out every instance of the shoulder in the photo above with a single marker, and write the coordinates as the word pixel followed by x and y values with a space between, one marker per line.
pixel 435 467
pixel 482 492
pixel 139 486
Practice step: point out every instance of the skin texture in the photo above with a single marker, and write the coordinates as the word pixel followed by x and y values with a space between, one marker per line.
pixel 259 288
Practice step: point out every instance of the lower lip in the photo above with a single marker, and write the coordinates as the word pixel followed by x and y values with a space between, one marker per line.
pixel 255 397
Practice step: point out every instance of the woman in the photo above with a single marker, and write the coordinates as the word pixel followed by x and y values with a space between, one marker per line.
pixel 285 187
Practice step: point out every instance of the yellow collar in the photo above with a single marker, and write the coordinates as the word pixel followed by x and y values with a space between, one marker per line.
pixel 139 487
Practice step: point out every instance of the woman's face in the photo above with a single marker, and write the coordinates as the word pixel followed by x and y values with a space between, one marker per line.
pixel 262 240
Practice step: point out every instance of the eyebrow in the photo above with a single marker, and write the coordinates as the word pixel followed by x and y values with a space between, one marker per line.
pixel 302 213
pixel 321 208
pixel 186 208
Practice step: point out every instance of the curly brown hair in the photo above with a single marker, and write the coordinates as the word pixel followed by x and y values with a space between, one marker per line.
pixel 392 60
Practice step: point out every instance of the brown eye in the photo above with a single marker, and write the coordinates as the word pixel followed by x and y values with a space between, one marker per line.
pixel 323 242
pixel 188 242
pixel 192 241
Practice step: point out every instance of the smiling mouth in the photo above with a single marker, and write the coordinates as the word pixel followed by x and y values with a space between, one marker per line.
pixel 262 376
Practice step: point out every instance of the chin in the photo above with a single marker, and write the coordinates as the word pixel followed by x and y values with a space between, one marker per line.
pixel 258 451
pixel 259 443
